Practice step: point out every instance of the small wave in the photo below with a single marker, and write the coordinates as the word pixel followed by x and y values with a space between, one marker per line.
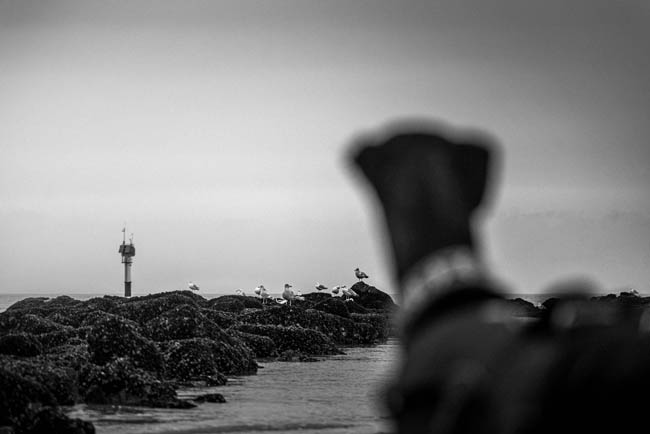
pixel 258 428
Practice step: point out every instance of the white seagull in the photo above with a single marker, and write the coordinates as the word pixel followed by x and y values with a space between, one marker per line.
pixel 192 286
pixel 320 287
pixel 240 292
pixel 338 288
pixel 288 294
pixel 258 290
pixel 360 274
pixel 348 293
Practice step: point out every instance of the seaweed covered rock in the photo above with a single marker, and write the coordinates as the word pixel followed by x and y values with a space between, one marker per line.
pixel 120 382
pixel 113 337
pixel 336 328
pixel 181 322
pixel 144 309
pixel 59 382
pixel 234 303
pixel 317 297
pixel 333 305
pixel 307 341
pixel 221 318
pixel 519 307
pixel 52 420
pixel 354 307
pixel 107 303
pixel 262 346
pixel 19 397
pixel 28 303
pixel 382 323
pixel 365 334
pixel 18 321
pixel 20 344
pixel 372 298
pixel 189 359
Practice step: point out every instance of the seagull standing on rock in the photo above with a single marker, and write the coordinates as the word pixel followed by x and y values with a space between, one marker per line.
pixel 320 287
pixel 360 274
pixel 192 286
pixel 288 294
pixel 338 288
pixel 348 293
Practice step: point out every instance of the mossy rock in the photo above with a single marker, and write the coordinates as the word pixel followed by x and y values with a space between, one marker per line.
pixel 144 309
pixel 113 337
pixel 120 382
pixel 20 344
pixel 53 420
pixel 333 305
pixel 381 322
pixel 19 399
pixel 196 358
pixel 372 298
pixel 60 382
pixel 262 346
pixel 295 338
pixel 182 322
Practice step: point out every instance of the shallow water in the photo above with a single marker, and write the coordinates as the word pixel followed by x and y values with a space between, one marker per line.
pixel 339 394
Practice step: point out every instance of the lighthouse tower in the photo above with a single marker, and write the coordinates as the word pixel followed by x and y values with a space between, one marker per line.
pixel 128 252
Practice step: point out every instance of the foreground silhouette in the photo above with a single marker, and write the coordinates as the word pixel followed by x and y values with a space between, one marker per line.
pixel 467 366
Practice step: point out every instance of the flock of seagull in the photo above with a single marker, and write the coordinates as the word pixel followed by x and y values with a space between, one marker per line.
pixel 288 295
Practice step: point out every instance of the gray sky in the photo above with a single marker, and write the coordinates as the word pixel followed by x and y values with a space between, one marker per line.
pixel 218 131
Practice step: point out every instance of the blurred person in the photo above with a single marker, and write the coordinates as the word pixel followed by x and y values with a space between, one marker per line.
pixel 466 365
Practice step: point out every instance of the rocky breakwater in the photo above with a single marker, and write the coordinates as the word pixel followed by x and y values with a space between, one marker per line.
pixel 137 351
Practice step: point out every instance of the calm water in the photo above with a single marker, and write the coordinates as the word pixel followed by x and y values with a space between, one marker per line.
pixel 339 394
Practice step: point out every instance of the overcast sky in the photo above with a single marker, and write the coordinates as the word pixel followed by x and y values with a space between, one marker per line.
pixel 218 132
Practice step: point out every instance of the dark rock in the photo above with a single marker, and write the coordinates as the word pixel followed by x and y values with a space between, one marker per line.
pixel 372 298
pixel 58 338
pixel 262 346
pixel 382 323
pixel 354 307
pixel 107 303
pixel 194 359
pixel 190 359
pixel 519 307
pixel 336 328
pixel 181 322
pixel 20 345
pixel 235 303
pixel 114 336
pixel 221 318
pixel 57 380
pixel 28 303
pixel 52 420
pixel 181 404
pixel 307 341
pixel 210 397
pixel 147 308
pixel 335 306
pixel 29 323
pixel 216 380
pixel 120 382
pixel 19 399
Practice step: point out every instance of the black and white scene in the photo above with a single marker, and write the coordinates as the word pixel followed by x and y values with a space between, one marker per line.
pixel 324 217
